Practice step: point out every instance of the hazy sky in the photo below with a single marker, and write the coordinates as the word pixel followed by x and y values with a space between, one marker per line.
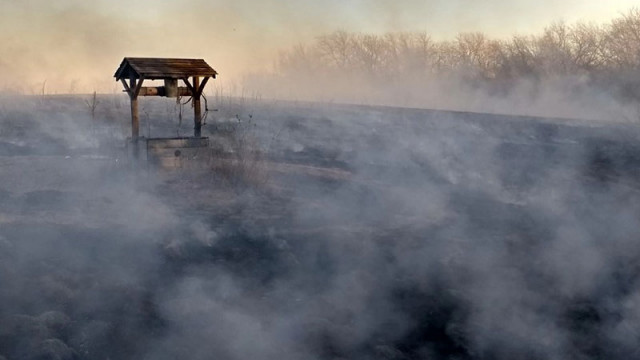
pixel 75 45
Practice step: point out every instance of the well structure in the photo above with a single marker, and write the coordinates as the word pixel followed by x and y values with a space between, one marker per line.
pixel 193 73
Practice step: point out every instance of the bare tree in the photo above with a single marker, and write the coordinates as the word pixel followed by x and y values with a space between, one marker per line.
pixel 608 55
pixel 477 56
pixel 336 48
pixel 623 41
pixel 369 52
pixel 423 53
pixel 554 50
pixel 520 57
pixel 586 46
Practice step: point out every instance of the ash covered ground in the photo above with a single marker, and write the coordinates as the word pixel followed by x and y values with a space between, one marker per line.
pixel 339 232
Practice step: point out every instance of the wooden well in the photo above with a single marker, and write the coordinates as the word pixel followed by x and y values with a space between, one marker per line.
pixel 194 75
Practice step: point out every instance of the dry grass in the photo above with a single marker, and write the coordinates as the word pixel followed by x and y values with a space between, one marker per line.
pixel 242 164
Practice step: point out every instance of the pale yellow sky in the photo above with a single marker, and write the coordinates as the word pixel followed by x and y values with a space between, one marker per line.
pixel 75 45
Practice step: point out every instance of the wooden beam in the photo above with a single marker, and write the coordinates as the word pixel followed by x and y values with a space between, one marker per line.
pixel 135 121
pixel 204 83
pixel 126 87
pixel 160 91
pixel 138 87
pixel 135 117
pixel 189 86
pixel 132 85
pixel 152 91
pixel 197 111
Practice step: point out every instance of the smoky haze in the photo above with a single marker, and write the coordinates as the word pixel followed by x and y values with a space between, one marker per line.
pixel 371 232
pixel 582 70
pixel 72 46
pixel 321 229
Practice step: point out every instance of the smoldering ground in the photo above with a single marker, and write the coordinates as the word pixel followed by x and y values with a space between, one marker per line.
pixel 428 234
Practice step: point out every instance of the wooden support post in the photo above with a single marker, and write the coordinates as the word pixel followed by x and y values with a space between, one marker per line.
pixel 135 120
pixel 197 110
pixel 135 116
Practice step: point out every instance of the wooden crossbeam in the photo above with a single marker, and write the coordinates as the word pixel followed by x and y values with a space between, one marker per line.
pixel 202 85
pixel 126 86
pixel 189 86
pixel 138 87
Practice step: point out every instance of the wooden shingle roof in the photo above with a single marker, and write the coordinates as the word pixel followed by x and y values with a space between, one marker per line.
pixel 162 68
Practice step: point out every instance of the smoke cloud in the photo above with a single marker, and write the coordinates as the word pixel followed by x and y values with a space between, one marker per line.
pixel 429 234
pixel 316 230
pixel 75 46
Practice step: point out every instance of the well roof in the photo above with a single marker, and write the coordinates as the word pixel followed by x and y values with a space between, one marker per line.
pixel 162 68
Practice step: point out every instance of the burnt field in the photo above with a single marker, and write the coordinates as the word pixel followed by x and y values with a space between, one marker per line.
pixel 335 232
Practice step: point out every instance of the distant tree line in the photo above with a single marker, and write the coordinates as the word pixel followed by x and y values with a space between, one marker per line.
pixel 605 55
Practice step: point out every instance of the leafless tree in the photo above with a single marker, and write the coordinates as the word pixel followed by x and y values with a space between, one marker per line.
pixel 369 54
pixel 623 41
pixel 587 46
pixel 336 49
pixel 607 56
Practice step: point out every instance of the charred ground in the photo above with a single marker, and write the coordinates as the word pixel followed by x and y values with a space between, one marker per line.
pixel 356 232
